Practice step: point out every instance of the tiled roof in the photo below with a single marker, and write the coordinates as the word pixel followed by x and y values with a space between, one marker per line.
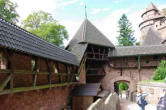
pixel 152 38
pixel 138 51
pixel 90 89
pixel 18 39
pixel 79 50
pixel 88 33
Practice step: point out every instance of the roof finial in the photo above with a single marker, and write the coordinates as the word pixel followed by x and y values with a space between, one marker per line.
pixel 85 11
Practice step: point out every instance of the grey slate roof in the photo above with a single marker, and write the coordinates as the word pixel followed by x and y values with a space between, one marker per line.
pixel 79 50
pixel 138 51
pixel 18 39
pixel 90 89
pixel 152 38
pixel 88 33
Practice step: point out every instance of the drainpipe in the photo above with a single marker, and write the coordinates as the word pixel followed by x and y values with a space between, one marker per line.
pixel 139 69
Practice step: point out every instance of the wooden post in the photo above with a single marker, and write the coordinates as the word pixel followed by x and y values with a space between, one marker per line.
pixel 10 66
pixel 34 76
pixel 93 53
pixel 5 81
pixel 139 68
pixel 49 71
pixel 103 53
pixel 66 72
pixel 59 76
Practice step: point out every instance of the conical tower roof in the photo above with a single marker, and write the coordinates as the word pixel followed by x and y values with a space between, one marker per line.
pixel 88 33
pixel 151 7
pixel 152 38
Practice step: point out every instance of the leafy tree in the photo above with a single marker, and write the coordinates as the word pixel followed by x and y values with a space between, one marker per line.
pixel 138 43
pixel 160 72
pixel 42 24
pixel 123 86
pixel 126 33
pixel 8 11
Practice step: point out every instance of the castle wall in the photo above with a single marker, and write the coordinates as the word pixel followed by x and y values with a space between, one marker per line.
pixel 47 99
pixel 55 98
pixel 127 71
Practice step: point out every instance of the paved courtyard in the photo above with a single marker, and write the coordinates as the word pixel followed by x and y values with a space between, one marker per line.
pixel 127 105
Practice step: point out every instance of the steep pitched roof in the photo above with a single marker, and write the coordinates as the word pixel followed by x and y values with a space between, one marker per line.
pixel 18 39
pixel 88 33
pixel 79 50
pixel 138 51
pixel 152 37
pixel 151 7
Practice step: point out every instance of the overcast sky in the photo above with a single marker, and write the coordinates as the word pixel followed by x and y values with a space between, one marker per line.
pixel 104 14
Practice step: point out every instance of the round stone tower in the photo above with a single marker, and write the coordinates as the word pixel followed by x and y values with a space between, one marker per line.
pixel 152 17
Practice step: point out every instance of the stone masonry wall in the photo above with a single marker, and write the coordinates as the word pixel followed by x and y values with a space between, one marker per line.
pixel 44 99
pixel 129 75
pixel 47 99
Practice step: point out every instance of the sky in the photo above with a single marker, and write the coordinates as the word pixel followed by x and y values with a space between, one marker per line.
pixel 104 14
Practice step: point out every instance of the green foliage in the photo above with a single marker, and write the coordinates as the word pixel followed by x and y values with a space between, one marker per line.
pixel 8 12
pixel 138 43
pixel 126 33
pixel 123 86
pixel 42 24
pixel 160 72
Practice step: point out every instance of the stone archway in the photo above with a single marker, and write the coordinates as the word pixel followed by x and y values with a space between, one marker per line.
pixel 131 83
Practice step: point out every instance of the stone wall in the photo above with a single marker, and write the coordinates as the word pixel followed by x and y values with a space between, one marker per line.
pixel 111 102
pixel 47 99
pixel 153 89
pixel 127 74
pixel 44 99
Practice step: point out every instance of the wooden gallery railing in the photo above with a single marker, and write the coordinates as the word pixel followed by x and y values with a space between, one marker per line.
pixel 7 78
pixel 10 78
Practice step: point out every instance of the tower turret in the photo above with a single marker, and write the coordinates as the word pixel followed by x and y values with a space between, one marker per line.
pixel 152 18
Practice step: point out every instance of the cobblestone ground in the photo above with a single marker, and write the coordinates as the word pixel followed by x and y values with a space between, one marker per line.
pixel 127 105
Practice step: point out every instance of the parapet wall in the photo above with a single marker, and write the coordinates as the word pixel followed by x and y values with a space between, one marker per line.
pixel 154 91
pixel 111 102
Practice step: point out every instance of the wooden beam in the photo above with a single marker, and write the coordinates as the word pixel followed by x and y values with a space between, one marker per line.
pixel 67 72
pixel 6 71
pixel 49 71
pixel 34 79
pixel 59 75
pixel 139 68
pixel 5 81
pixel 23 89
pixel 10 66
